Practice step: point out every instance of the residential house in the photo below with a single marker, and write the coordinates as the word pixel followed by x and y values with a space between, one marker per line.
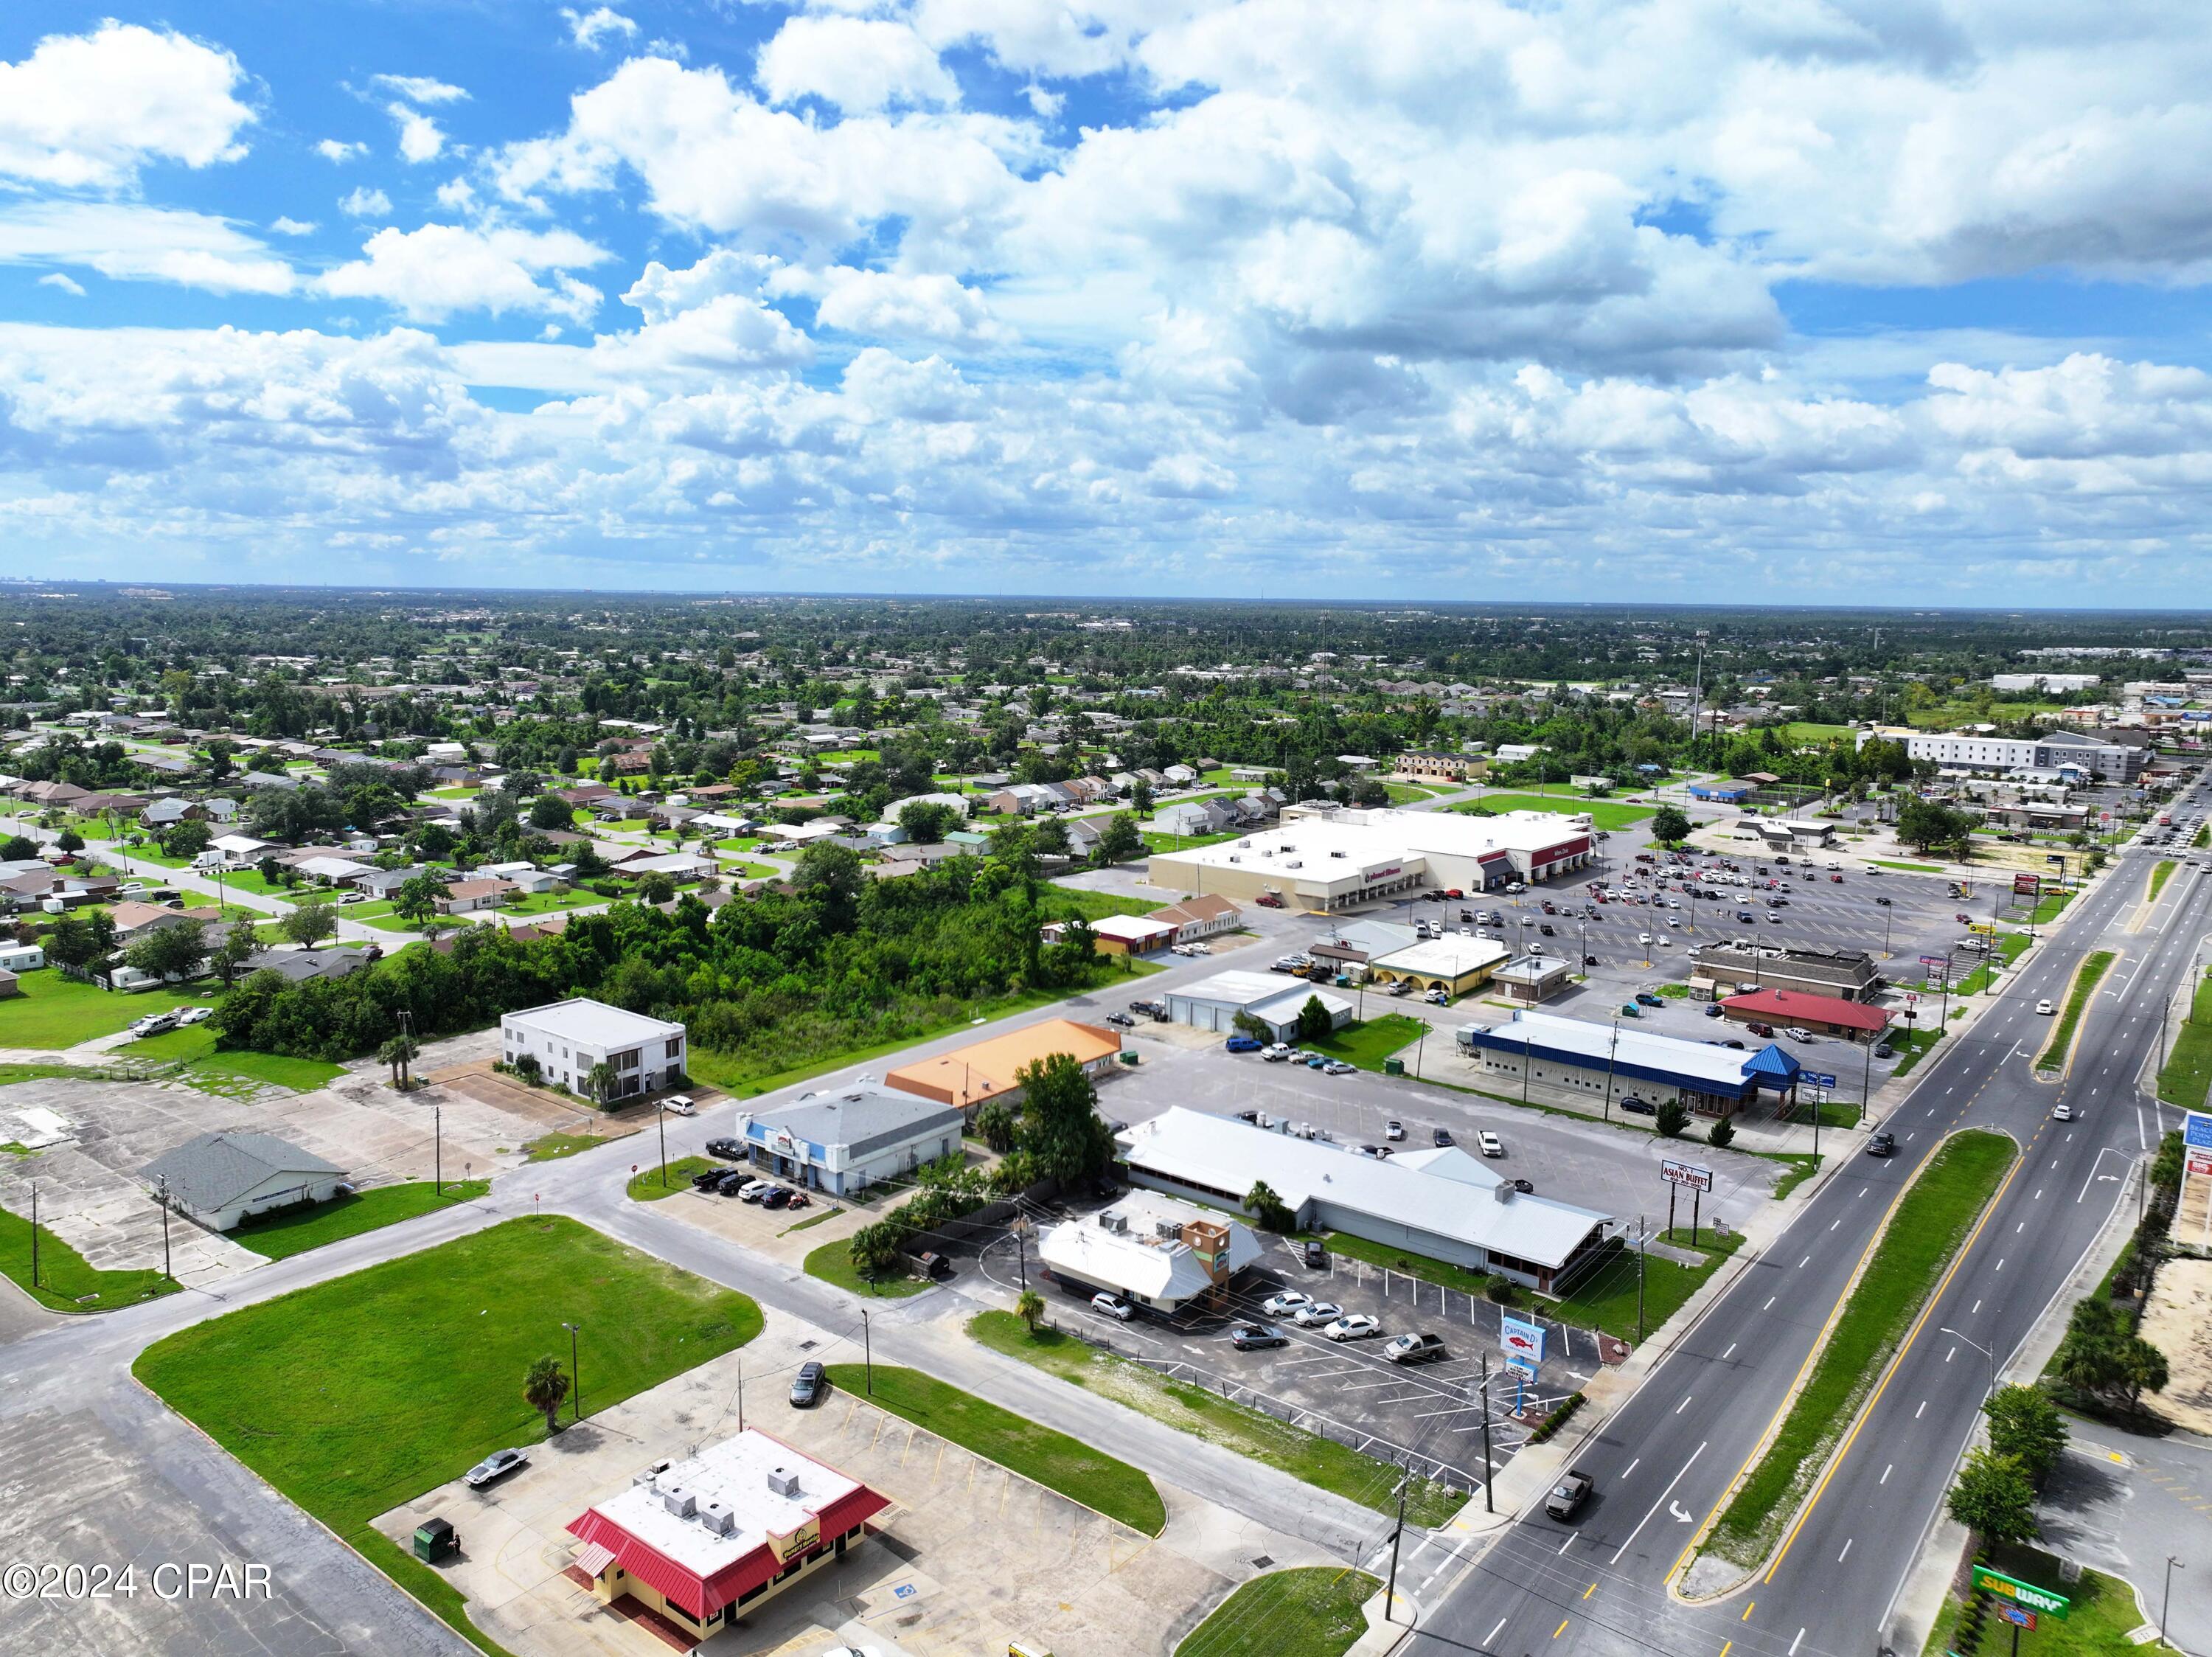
pixel 220 1179
pixel 465 897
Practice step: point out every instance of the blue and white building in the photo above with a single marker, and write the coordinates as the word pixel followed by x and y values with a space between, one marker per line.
pixel 1614 1061
pixel 847 1140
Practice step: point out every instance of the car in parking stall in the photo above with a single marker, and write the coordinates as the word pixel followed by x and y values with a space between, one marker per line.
pixel 1243 1045
pixel 809 1385
pixel 1251 1337
pixel 1112 1306
pixel 1353 1326
pixel 493 1467
pixel 1489 1144
pixel 1411 1348
pixel 1282 1304
pixel 1314 1313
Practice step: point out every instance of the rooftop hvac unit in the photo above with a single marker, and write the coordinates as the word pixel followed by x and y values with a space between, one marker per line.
pixel 1504 1193
pixel 1111 1222
pixel 1336 854
pixel 645 1476
pixel 1235 859
pixel 1166 1229
pixel 783 1481
pixel 718 1517
pixel 679 1501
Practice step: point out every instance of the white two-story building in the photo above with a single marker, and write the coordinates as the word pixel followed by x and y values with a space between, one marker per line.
pixel 569 1037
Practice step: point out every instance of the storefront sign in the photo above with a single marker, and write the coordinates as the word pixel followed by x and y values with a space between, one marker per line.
pixel 2025 1595
pixel 796 1542
pixel 1522 1335
pixel 1685 1173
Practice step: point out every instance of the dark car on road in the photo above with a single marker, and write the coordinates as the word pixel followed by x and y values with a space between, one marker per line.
pixel 1882 1144
pixel 728 1149
pixel 809 1387
pixel 1568 1495
pixel 1440 1137
pixel 1247 1337
pixel 1636 1106
pixel 1645 998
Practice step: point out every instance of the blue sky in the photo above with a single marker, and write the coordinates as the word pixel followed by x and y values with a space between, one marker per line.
pixel 1849 299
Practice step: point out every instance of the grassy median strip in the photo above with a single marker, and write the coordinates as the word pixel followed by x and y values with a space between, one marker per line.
pixel 356 1395
pixel 1320 1462
pixel 2187 1076
pixel 1311 1612
pixel 2069 1016
pixel 2159 875
pixel 1924 1231
pixel 1038 1453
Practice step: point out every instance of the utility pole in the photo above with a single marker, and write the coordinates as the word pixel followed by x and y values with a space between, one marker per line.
pixel 35 1233
pixel 1643 1243
pixel 1611 1047
pixel 867 1353
pixel 575 1380
pixel 660 1110
pixel 165 1272
pixel 1397 1532
pixel 2166 1603
pixel 438 1148
pixel 1488 1506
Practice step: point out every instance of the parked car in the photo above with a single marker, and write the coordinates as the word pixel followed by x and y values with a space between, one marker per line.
pixel 1282 1304
pixel 194 1015
pixel 1713 1010
pixel 1489 1144
pixel 1799 1033
pixel 1314 1313
pixel 493 1467
pixel 1120 1021
pixel 728 1149
pixel 1568 1495
pixel 1393 1128
pixel 777 1197
pixel 1885 1051
pixel 1645 998
pixel 737 1182
pixel 1416 1348
pixel 680 1104
pixel 1440 1137
pixel 1249 1338
pixel 1275 1053
pixel 1355 1326
pixel 1636 1106
pixel 1882 1144
pixel 1523 1186
pixel 154 1024
pixel 1112 1305
pixel 1243 1045
pixel 1316 1254
pixel 809 1387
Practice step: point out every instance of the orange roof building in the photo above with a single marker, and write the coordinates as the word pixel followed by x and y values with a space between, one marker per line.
pixel 967 1076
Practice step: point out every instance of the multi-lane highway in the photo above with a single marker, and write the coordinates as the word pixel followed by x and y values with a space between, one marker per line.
pixel 1664 1464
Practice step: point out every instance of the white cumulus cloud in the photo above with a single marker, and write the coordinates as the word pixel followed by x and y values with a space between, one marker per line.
pixel 93 110
pixel 589 28
pixel 859 64
pixel 432 273
pixel 365 203
pixel 128 242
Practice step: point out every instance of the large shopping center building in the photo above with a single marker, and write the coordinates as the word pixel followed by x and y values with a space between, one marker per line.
pixel 1326 857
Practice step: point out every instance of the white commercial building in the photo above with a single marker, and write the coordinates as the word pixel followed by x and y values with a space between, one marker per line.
pixel 2110 756
pixel 1152 1251
pixel 1442 1202
pixel 569 1037
pixel 844 1142
pixel 1329 858
pixel 1213 1003
pixel 220 1179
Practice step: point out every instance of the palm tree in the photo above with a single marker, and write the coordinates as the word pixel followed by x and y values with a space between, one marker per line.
pixel 599 1083
pixel 1029 1308
pixel 544 1389
pixel 396 1052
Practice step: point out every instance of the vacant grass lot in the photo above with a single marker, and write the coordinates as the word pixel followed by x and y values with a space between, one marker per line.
pixel 280 1236
pixel 1924 1231
pixel 1603 814
pixel 1910 869
pixel 2187 1077
pixel 65 1282
pixel 2085 979
pixel 194 1047
pixel 57 1012
pixel 1204 1414
pixel 1311 1612
pixel 1913 1046
pixel 1053 1459
pixel 1368 1045
pixel 355 1395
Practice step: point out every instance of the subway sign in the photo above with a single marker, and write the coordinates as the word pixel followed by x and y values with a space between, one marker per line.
pixel 2025 1595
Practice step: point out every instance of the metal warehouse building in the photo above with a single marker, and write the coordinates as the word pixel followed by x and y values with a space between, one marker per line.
pixel 1610 1060
pixel 1213 1003
pixel 1442 1203
pixel 1326 858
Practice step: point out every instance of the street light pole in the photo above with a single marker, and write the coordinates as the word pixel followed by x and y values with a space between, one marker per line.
pixel 35 1233
pixel 575 1380
pixel 1488 1506
pixel 2166 1603
pixel 867 1353
pixel 660 1109
pixel 1986 1352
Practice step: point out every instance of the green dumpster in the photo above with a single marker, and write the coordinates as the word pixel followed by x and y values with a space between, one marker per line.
pixel 1394 1066
pixel 1128 1058
pixel 436 1540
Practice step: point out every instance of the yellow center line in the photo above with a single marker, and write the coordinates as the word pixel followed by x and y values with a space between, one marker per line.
pixel 1589 1590
pixel 1912 1335
pixel 1562 1628
pixel 1748 1610
pixel 1726 1646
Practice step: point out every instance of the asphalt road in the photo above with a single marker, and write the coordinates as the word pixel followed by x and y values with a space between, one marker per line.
pixel 1666 1462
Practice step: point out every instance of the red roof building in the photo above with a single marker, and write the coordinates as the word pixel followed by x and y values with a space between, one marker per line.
pixel 1826 1015
pixel 706 1539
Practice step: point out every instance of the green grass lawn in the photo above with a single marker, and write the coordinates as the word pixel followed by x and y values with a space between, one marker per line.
pixel 249 880
pixel 280 1236
pixel 1053 1459
pixel 357 1394
pixel 2010 947
pixel 549 902
pixel 2049 908
pixel 1171 844
pixel 1603 814
pixel 1910 869
pixel 2187 1077
pixel 1206 1415
pixel 2097 1624
pixel 1426 1267
pixel 2086 979
pixel 1912 1045
pixel 1926 1230
pixel 1803 731
pixel 1606 1299
pixel 555 1146
pixel 647 1186
pixel 54 1011
pixel 1368 1045
pixel 833 1263
pixel 2160 873
pixel 1314 1611
pixel 65 1282
pixel 194 1047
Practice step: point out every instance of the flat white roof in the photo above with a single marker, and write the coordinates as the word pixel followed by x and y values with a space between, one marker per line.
pixel 734 1472
pixel 1644 1048
pixel 1136 1257
pixel 1428 1193
pixel 1130 928
pixel 1235 988
pixel 1372 840
pixel 1446 957
pixel 593 1023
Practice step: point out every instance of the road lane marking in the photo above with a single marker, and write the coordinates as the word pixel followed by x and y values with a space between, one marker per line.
pixel 1747 1610
pixel 1492 1635
pixel 1569 1542
pixel 1564 1621
pixel 1683 1405
pixel 1770 1299
pixel 1840 1557
pixel 1632 1466
pixel 1589 1590
pixel 1802 1263
pixel 1916 1414
pixel 1978 1306
pixel 1886 1472
pixel 1663 1495
pixel 1952 1354
pixel 1731 1352
pixel 1796 1642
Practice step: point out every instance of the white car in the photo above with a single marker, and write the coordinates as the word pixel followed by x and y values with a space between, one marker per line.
pixel 1643 937
pixel 1282 1304
pixel 1275 1053
pixel 1798 1032
pixel 1316 1311
pixel 1393 1128
pixel 2046 1009
pixel 1490 1143
pixel 680 1104
pixel 1357 1326
pixel 1112 1305
pixel 194 1015
pixel 2062 1113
